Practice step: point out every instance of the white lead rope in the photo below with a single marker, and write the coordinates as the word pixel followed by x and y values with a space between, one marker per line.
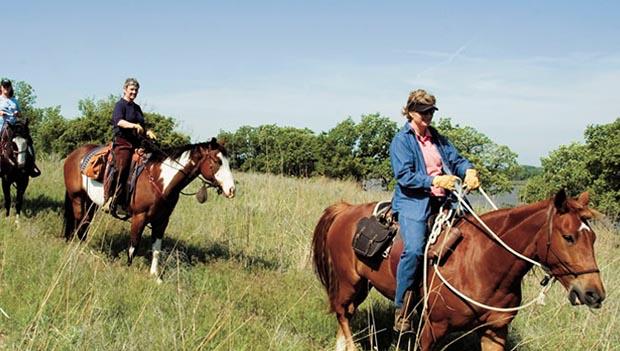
pixel 540 299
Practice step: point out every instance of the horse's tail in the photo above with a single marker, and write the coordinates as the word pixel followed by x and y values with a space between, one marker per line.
pixel 69 217
pixel 321 258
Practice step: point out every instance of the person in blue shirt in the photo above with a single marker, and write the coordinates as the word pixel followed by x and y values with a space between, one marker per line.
pixel 11 113
pixel 128 126
pixel 426 167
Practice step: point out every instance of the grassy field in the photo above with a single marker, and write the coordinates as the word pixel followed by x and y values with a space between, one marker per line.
pixel 237 276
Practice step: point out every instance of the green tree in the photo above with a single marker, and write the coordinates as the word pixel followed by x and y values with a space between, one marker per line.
pixel 336 151
pixel 373 147
pixel 496 164
pixel 577 167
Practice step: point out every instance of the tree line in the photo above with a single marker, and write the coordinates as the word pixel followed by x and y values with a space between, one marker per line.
pixel 354 150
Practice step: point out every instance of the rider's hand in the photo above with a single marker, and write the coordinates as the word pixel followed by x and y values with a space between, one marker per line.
pixel 445 181
pixel 471 179
pixel 138 128
pixel 151 135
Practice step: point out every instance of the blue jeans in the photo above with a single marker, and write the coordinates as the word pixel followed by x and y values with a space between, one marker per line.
pixel 413 234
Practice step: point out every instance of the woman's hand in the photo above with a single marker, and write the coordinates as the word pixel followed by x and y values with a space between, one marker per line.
pixel 445 181
pixel 151 135
pixel 471 179
pixel 139 128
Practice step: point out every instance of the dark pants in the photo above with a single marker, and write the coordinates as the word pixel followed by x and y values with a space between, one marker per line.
pixel 115 182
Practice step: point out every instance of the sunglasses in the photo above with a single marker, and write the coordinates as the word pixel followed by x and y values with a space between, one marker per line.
pixel 427 112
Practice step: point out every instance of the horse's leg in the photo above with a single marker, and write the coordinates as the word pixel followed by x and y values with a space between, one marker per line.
pixel 493 339
pixel 156 237
pixel 77 204
pixel 19 196
pixel 6 190
pixel 431 333
pixel 349 297
pixel 137 226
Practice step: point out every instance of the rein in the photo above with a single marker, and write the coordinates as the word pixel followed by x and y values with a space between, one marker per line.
pixel 540 299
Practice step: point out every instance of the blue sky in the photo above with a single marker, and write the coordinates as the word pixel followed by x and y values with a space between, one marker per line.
pixel 531 74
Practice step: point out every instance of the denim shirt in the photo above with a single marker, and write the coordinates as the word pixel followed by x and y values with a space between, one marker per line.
pixel 10 106
pixel 413 184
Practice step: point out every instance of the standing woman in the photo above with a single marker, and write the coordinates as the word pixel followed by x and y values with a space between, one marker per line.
pixel 128 127
pixel 426 166
pixel 10 112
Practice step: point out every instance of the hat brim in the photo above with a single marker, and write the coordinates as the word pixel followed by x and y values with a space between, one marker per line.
pixel 424 108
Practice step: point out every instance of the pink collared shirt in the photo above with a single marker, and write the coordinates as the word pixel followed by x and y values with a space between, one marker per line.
pixel 432 160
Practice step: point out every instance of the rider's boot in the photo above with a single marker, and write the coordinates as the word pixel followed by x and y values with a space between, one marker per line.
pixel 403 316
pixel 34 171
pixel 108 190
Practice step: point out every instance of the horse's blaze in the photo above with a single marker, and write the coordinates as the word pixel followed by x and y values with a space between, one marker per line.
pixel 225 178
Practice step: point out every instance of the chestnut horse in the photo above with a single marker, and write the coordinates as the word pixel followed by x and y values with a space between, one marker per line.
pixel 554 232
pixel 14 160
pixel 156 192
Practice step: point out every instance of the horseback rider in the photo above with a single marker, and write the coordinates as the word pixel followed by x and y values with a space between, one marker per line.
pixel 11 115
pixel 426 167
pixel 128 128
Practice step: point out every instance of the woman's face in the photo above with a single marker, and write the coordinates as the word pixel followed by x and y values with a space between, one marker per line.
pixel 421 120
pixel 5 90
pixel 130 92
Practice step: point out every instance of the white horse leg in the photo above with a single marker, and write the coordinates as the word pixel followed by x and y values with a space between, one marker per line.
pixel 155 261
pixel 17 220
pixel 130 252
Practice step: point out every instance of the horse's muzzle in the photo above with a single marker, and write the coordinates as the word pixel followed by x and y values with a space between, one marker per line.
pixel 590 297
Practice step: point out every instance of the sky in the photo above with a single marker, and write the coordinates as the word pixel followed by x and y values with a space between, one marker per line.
pixel 531 75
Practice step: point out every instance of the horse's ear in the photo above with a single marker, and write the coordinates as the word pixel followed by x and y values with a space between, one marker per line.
pixel 560 201
pixel 213 141
pixel 584 198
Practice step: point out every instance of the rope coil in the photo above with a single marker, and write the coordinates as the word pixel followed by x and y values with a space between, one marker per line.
pixel 441 219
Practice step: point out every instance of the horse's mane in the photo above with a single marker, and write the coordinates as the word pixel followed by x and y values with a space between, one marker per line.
pixel 176 152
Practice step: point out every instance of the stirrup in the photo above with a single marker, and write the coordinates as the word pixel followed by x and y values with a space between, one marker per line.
pixel 402 324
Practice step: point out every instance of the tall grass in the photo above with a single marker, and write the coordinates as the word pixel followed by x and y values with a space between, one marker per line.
pixel 237 276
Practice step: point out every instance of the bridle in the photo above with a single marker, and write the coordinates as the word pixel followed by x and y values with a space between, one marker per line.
pixel 206 183
pixel 549 249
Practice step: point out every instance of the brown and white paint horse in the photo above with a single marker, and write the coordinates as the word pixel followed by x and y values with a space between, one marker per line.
pixel 156 192
pixel 13 169
pixel 554 232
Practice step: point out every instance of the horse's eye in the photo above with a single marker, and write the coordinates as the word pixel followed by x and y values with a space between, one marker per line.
pixel 569 238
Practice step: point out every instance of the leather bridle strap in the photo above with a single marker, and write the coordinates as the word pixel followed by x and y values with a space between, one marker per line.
pixel 568 270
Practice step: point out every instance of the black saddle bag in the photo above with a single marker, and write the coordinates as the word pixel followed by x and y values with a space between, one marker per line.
pixel 372 237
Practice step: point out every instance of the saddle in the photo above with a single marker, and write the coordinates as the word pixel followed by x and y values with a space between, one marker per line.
pixel 95 162
pixel 376 238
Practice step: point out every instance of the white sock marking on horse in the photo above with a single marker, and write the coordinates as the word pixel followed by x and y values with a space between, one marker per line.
pixel 341 342
pixel 224 175
pixel 584 227
pixel 131 250
pixel 156 253
pixel 170 168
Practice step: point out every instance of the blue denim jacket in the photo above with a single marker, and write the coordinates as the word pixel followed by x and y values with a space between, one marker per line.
pixel 413 184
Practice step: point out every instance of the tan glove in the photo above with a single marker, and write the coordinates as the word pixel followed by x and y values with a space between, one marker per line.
pixel 151 135
pixel 445 181
pixel 471 179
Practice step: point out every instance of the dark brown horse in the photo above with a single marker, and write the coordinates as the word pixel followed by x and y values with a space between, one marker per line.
pixel 14 160
pixel 553 232
pixel 156 192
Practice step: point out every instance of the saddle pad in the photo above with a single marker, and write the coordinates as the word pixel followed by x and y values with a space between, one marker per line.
pixel 93 163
